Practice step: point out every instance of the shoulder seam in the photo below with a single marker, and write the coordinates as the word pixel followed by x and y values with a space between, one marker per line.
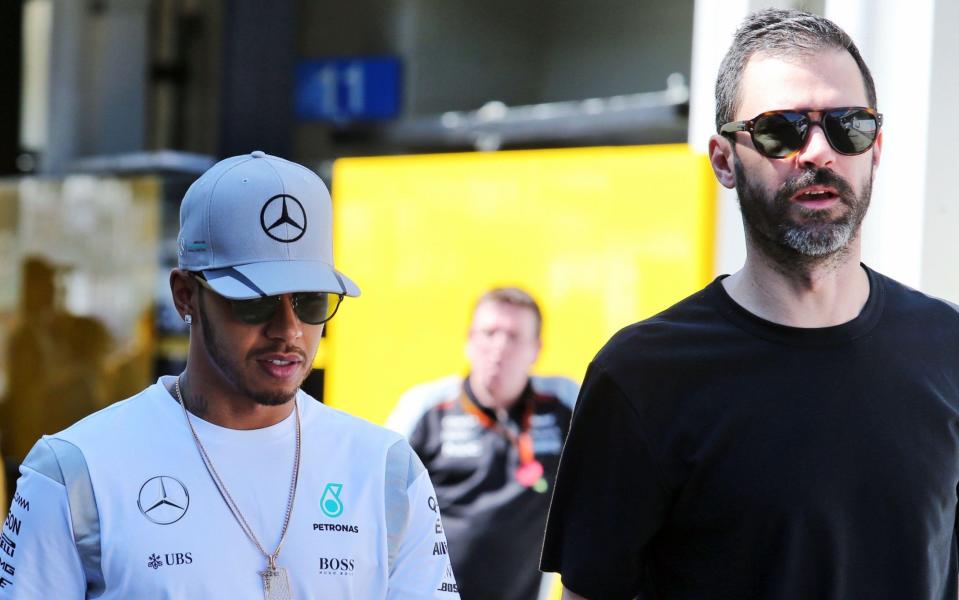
pixel 84 513
pixel 419 400
pixel 396 506
pixel 42 460
pixel 563 389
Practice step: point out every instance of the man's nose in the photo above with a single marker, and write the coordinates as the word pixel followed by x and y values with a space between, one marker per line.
pixel 285 325
pixel 498 341
pixel 816 151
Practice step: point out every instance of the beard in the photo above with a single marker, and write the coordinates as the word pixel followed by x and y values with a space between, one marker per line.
pixel 233 371
pixel 784 230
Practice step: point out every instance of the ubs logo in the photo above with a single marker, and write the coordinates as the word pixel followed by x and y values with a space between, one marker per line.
pixel 283 218
pixel 163 499
pixel 171 559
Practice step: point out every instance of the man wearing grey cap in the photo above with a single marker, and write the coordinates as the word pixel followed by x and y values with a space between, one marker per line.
pixel 228 481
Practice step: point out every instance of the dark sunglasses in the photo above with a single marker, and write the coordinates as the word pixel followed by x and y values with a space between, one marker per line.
pixel 850 130
pixel 310 307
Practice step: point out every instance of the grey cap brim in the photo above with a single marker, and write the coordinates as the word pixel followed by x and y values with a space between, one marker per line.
pixel 254 280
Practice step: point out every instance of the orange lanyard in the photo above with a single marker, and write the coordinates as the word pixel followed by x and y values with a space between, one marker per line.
pixel 529 473
pixel 522 441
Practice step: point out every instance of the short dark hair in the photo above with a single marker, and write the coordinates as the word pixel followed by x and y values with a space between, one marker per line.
pixel 780 32
pixel 516 297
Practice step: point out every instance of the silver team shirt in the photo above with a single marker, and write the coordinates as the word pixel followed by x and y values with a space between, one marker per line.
pixel 120 506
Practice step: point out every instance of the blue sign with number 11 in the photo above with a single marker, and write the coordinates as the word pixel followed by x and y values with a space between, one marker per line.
pixel 348 89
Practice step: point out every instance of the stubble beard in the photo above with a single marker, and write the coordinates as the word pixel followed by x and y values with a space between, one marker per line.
pixel 233 371
pixel 794 236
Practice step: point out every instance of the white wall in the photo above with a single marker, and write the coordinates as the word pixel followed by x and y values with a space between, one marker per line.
pixel 92 91
pixel 940 245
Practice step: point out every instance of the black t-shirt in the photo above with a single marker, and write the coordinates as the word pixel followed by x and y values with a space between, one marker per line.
pixel 493 524
pixel 716 455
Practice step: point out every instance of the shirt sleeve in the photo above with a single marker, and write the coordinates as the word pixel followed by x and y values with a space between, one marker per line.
pixel 412 415
pixel 419 558
pixel 609 500
pixel 405 415
pixel 38 556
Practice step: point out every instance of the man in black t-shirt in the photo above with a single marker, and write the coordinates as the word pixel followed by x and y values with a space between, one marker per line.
pixel 491 443
pixel 792 430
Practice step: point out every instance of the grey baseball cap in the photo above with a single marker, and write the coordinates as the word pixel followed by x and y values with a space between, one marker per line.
pixel 258 225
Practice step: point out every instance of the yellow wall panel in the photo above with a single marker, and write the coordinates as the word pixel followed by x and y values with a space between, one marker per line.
pixel 602 237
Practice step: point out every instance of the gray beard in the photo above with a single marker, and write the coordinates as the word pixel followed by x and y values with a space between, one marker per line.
pixel 824 241
pixel 813 239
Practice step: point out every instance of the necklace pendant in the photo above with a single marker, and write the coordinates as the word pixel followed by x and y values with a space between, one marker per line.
pixel 276 584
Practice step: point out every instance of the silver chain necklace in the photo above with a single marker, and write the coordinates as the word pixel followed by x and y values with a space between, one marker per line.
pixel 276 580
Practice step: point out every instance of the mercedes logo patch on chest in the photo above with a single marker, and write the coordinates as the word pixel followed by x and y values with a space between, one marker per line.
pixel 163 499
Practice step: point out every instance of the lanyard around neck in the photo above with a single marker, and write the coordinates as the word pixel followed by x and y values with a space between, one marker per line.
pixel 529 473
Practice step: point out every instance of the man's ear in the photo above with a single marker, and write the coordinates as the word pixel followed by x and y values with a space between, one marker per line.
pixel 876 154
pixel 722 157
pixel 185 296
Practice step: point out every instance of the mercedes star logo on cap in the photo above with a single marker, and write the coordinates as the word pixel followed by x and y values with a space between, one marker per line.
pixel 283 218
pixel 163 499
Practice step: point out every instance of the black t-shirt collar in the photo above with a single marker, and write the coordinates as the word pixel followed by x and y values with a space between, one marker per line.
pixel 861 325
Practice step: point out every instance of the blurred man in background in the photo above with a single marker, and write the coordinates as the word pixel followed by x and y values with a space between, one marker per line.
pixel 491 443
pixel 56 360
pixel 790 431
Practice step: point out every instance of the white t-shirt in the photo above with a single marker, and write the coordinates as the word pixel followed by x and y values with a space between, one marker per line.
pixel 120 506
